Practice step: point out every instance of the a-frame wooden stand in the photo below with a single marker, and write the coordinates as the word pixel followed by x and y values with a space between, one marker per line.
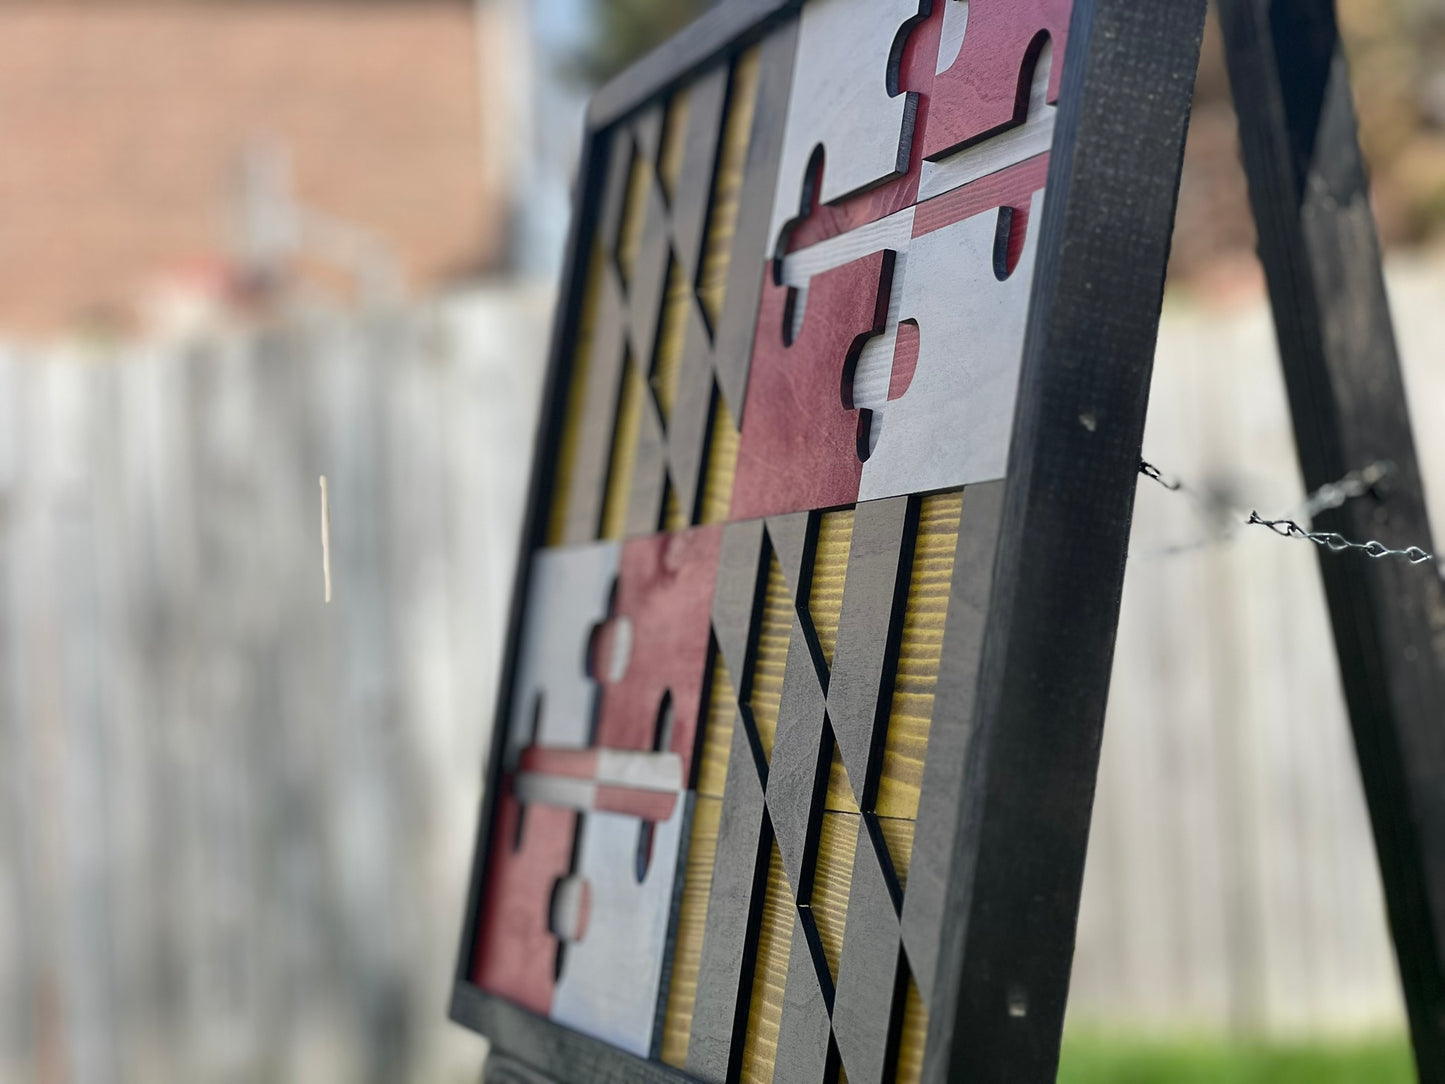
pixel 1317 241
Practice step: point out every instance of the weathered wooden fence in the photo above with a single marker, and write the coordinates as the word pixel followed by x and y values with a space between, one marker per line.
pixel 235 822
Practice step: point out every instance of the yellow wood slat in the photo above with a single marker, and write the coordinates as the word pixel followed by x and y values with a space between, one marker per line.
pixel 832 882
pixel 899 837
pixel 722 464
pixel 624 452
pixel 836 843
pixel 912 1038
pixel 765 1009
pixel 688 933
pixel 728 184
pixel 672 514
pixel 666 371
pixel 775 630
pixel 830 569
pixel 634 215
pixel 674 143
pixel 717 734
pixel 919 653
pixel 670 340
pixel 576 395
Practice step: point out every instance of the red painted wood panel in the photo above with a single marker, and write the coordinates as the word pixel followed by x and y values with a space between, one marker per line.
pixel 987 88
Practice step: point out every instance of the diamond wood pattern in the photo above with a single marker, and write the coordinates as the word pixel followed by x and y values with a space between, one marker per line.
pixel 742 701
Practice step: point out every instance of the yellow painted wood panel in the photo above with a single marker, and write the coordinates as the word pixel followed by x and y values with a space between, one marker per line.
pixel 832 882
pixel 765 1009
pixel 634 215
pixel 576 397
pixel 722 463
pixel 776 629
pixel 691 922
pixel 830 570
pixel 728 186
pixel 899 837
pixel 836 843
pixel 674 143
pixel 624 452
pixel 670 340
pixel 919 654
pixel 717 734
pixel 912 1038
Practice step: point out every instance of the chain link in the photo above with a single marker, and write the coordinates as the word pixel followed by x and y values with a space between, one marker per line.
pixel 1332 495
pixel 1338 543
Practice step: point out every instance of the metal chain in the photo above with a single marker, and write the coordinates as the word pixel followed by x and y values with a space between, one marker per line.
pixel 1337 543
pixel 1335 494
pixel 1150 471
pixel 1328 496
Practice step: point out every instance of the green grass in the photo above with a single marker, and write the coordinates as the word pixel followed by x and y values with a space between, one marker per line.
pixel 1109 1059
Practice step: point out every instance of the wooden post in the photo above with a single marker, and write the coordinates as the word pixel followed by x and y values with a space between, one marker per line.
pixel 1318 245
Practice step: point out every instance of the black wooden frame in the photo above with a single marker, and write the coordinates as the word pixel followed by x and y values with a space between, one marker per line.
pixel 1033 709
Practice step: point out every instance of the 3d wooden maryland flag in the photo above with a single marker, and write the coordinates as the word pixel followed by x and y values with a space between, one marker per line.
pixel 740 790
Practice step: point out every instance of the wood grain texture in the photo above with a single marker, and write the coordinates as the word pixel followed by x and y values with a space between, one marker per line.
pixel 634 213
pixel 830 569
pixel 898 835
pixel 734 913
pixel 765 1006
pixel 575 395
pixel 674 143
pixel 912 1038
pixel 728 186
pixel 860 685
pixel 840 793
pixel 688 932
pixel 771 657
pixel 837 840
pixel 722 464
pixel 717 733
pixel 920 649
pixel 624 451
pixel 668 362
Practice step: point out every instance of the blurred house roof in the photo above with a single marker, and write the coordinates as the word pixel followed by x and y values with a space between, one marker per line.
pixel 124 125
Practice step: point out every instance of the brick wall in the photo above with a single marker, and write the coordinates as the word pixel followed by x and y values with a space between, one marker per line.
pixel 122 126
